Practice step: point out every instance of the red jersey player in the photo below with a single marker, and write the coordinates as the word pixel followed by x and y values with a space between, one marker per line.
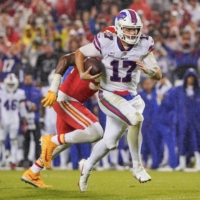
pixel 75 123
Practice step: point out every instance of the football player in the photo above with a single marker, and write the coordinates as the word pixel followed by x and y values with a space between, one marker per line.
pixel 74 124
pixel 124 54
pixel 12 104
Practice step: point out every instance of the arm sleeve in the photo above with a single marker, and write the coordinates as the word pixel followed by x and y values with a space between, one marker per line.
pixel 90 50
pixel 150 61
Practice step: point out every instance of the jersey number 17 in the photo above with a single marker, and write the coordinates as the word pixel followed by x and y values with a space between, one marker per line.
pixel 126 64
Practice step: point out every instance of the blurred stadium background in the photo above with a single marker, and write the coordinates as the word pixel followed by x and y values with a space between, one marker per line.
pixel 35 33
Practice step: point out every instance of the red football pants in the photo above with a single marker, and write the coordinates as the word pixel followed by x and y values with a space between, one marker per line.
pixel 72 115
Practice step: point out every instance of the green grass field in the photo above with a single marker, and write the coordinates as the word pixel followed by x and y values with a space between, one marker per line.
pixel 109 185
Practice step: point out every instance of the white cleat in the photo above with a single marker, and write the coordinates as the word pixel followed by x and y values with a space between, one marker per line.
pixel 83 181
pixel 140 174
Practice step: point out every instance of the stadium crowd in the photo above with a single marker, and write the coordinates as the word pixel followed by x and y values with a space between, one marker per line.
pixel 34 34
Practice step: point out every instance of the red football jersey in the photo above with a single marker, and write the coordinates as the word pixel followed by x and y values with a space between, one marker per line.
pixel 79 89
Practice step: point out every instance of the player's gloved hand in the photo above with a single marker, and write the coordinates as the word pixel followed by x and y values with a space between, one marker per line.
pixel 51 96
pixel 50 99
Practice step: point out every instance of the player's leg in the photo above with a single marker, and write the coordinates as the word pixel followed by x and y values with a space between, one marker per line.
pixel 113 132
pixel 33 175
pixel 13 133
pixel 116 108
pixel 131 113
pixel 78 117
pixel 134 138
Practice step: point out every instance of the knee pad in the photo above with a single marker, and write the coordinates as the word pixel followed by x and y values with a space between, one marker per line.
pixel 111 145
pixel 138 118
pixel 95 131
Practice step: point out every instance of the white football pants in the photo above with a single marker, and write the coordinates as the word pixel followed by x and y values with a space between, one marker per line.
pixel 120 115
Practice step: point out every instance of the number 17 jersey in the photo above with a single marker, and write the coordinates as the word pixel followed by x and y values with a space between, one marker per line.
pixel 121 72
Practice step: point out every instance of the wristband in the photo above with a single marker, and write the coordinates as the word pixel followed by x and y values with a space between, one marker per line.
pixel 55 83
pixel 151 72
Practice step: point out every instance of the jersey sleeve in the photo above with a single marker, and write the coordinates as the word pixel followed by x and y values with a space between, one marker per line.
pixel 147 43
pixel 149 59
pixel 99 46
pixel 93 49
pixel 150 44
pixel 89 50
pixel 103 40
pixel 97 42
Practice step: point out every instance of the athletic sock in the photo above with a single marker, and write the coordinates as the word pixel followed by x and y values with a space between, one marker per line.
pixel 37 166
pixel 134 138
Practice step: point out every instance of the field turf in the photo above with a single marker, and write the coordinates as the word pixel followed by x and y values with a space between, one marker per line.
pixel 105 185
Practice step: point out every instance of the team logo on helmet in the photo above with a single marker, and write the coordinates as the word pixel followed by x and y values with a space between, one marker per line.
pixel 121 15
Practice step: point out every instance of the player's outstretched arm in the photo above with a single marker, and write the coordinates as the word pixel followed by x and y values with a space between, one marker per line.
pixel 63 64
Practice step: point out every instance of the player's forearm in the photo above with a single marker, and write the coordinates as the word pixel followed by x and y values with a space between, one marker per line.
pixel 64 63
pixel 79 59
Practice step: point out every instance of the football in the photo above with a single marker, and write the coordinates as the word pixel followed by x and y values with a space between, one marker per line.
pixel 97 65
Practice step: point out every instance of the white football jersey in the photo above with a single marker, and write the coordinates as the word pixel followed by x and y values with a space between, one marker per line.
pixel 11 106
pixel 121 72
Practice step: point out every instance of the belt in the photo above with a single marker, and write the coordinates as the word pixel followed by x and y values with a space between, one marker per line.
pixel 125 94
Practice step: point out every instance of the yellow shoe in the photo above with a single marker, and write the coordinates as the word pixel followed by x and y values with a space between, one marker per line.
pixel 34 179
pixel 47 150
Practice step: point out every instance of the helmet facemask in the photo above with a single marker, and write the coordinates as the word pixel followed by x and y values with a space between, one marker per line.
pixel 125 20
pixel 11 83
pixel 131 38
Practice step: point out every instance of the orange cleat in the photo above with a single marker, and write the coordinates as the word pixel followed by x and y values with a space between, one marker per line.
pixel 47 150
pixel 34 179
